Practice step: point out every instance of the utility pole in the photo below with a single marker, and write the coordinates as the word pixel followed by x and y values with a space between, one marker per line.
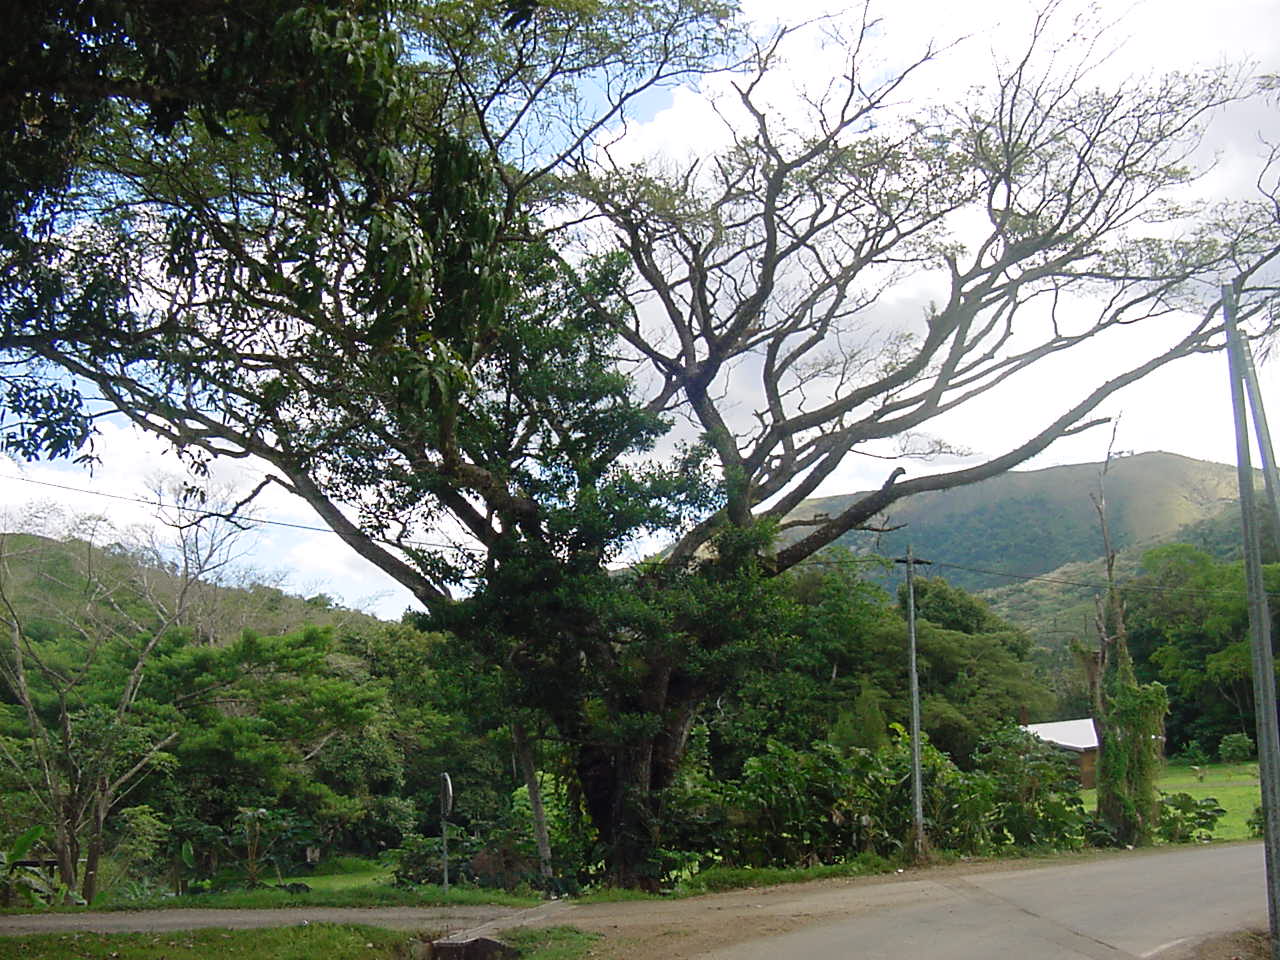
pixel 446 807
pixel 1264 677
pixel 918 842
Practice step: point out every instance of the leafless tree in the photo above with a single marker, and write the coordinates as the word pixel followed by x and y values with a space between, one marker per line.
pixel 1046 213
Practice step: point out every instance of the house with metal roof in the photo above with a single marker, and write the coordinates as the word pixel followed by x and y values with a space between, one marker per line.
pixel 1076 736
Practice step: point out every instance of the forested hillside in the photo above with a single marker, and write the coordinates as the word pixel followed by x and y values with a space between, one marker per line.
pixel 1060 603
pixel 1033 522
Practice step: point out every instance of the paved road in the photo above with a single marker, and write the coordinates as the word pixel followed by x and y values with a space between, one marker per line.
pixel 1143 906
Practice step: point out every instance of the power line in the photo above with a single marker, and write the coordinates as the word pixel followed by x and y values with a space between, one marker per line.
pixel 863 560
pixel 204 514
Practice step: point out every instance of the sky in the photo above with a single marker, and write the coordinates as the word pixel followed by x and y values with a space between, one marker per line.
pixel 1183 409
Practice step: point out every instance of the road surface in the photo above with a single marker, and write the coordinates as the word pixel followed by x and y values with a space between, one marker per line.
pixel 1111 909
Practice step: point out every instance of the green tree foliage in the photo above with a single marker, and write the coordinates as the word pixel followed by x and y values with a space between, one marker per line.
pixel 108 686
pixel 864 726
pixel 841 659
pixel 1190 631
pixel 314 73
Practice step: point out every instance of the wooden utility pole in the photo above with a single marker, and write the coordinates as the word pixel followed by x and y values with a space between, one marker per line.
pixel 1264 675
pixel 919 843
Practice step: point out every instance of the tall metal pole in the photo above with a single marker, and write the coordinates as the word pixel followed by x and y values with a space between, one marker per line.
pixel 446 807
pixel 917 787
pixel 1264 677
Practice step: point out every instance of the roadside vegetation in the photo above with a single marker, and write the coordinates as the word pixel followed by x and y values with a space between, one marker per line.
pixel 283 943
pixel 802 772
pixel 280 943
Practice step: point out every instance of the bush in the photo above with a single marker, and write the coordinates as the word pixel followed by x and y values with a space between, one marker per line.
pixel 1236 748
pixel 1257 822
pixel 827 805
pixel 1194 754
pixel 1035 791
pixel 421 859
pixel 1184 819
pixel 823 805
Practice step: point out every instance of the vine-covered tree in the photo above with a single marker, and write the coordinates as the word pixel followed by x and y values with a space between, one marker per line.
pixel 1128 716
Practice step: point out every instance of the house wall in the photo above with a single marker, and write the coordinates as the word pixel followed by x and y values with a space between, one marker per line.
pixel 1088 762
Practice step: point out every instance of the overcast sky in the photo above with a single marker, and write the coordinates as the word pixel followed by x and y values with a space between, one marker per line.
pixel 1183 409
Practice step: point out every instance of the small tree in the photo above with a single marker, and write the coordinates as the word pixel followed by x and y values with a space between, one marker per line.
pixel 864 726
pixel 1236 748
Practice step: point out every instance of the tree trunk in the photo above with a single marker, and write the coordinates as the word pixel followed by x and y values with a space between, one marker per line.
pixel 623 785
pixel 93 856
pixel 524 755
pixel 66 850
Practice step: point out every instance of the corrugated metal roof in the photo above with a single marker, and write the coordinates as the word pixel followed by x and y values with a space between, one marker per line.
pixel 1077 735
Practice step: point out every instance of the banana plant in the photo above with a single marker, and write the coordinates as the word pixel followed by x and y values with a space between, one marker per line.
pixel 19 879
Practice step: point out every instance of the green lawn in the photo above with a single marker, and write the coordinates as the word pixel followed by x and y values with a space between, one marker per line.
pixel 1233 785
pixel 350 883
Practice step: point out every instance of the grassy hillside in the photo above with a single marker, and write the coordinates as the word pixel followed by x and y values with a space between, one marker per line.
pixel 58 585
pixel 1032 522
pixel 1061 602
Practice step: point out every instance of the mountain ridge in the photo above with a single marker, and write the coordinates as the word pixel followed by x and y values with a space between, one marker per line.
pixel 1032 522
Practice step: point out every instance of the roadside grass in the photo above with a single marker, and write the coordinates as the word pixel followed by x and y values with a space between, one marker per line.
pixel 275 943
pixel 716 879
pixel 550 943
pixel 1233 785
pixel 617 895
pixel 316 940
pixel 365 895
pixel 371 888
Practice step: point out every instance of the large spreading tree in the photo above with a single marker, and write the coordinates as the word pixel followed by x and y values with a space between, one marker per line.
pixel 414 345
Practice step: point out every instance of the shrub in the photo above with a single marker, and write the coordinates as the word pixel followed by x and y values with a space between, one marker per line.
pixel 1194 754
pixel 421 859
pixel 1236 748
pixel 1184 819
pixel 1035 791
pixel 1257 822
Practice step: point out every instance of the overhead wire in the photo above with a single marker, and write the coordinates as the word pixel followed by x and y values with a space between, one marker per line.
pixel 248 518
pixel 862 560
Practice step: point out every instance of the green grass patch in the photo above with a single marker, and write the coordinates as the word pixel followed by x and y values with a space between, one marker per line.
pixel 616 895
pixel 337 866
pixel 1233 785
pixel 550 943
pixel 365 895
pixel 315 940
pixel 716 879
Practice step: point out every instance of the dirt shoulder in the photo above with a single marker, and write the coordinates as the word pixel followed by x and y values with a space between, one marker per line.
pixel 1245 945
